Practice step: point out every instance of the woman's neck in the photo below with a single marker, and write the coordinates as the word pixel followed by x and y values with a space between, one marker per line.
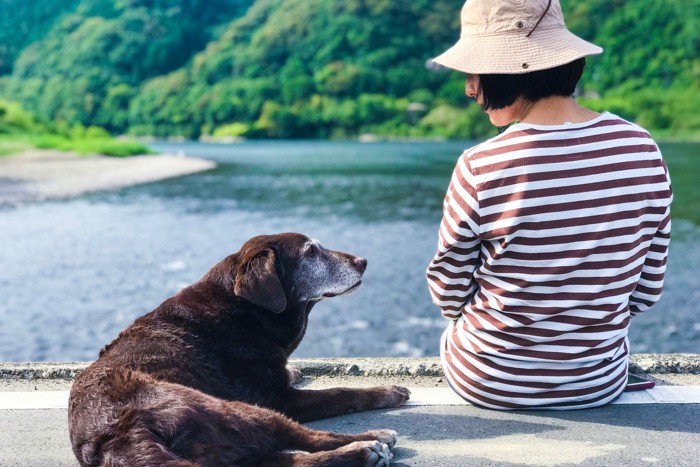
pixel 555 110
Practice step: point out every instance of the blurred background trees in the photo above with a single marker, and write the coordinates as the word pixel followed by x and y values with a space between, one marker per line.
pixel 315 68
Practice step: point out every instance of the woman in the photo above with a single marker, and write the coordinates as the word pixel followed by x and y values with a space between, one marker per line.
pixel 554 232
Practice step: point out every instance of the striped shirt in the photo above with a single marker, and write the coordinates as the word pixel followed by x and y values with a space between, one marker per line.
pixel 551 238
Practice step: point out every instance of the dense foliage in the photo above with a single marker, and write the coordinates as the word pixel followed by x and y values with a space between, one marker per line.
pixel 650 70
pixel 21 131
pixel 91 62
pixel 317 68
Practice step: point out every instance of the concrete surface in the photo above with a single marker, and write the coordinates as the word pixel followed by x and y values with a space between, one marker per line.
pixel 429 435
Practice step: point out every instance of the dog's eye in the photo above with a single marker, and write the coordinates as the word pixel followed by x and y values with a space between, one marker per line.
pixel 311 251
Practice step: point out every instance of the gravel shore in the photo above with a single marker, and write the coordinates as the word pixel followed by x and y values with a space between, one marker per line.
pixel 40 175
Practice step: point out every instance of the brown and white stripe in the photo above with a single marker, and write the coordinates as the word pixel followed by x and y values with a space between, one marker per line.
pixel 551 238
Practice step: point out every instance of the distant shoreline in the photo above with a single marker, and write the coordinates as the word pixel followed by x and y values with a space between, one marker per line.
pixel 690 138
pixel 364 138
pixel 39 175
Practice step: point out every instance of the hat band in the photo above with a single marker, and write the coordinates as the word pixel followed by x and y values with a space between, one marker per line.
pixel 549 4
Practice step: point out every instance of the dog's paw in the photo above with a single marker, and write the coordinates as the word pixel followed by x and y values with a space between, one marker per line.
pixel 396 396
pixel 372 453
pixel 387 437
pixel 384 454
pixel 294 375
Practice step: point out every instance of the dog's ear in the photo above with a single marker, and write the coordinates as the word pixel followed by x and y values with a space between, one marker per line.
pixel 257 282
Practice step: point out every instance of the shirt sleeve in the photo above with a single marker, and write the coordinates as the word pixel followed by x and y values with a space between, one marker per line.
pixel 650 285
pixel 451 272
pixel 651 281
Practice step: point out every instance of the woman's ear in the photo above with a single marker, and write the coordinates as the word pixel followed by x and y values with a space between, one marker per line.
pixel 257 282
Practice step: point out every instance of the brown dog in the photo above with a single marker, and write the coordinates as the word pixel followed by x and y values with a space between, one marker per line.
pixel 202 379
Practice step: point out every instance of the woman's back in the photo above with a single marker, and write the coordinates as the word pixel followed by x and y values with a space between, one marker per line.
pixel 552 236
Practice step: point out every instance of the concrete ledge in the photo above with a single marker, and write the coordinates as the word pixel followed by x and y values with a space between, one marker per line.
pixel 675 363
pixel 688 364
pixel 68 370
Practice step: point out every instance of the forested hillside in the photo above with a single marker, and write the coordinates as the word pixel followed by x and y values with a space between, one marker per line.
pixel 315 68
pixel 90 59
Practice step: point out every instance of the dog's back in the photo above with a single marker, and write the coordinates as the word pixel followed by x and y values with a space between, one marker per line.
pixel 149 377
pixel 152 378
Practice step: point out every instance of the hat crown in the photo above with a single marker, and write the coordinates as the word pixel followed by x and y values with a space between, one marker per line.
pixel 486 17
pixel 513 37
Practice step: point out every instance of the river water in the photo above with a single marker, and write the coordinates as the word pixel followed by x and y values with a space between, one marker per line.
pixel 73 273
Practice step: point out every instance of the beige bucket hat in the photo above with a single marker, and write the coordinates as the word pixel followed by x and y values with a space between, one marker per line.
pixel 513 37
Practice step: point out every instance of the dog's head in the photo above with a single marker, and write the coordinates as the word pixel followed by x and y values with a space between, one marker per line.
pixel 276 271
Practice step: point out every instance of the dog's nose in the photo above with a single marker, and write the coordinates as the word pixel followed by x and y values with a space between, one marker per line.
pixel 360 263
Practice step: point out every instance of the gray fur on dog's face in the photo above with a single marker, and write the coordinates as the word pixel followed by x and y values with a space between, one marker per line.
pixel 326 273
pixel 276 271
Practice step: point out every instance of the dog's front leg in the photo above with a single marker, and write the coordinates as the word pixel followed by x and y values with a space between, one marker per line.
pixel 294 375
pixel 313 404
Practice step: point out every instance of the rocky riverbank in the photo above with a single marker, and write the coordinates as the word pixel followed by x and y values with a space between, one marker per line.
pixel 39 175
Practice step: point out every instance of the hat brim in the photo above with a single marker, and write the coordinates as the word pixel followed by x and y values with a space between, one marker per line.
pixel 514 53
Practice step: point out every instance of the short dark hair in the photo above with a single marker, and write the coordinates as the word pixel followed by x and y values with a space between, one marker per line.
pixel 499 91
